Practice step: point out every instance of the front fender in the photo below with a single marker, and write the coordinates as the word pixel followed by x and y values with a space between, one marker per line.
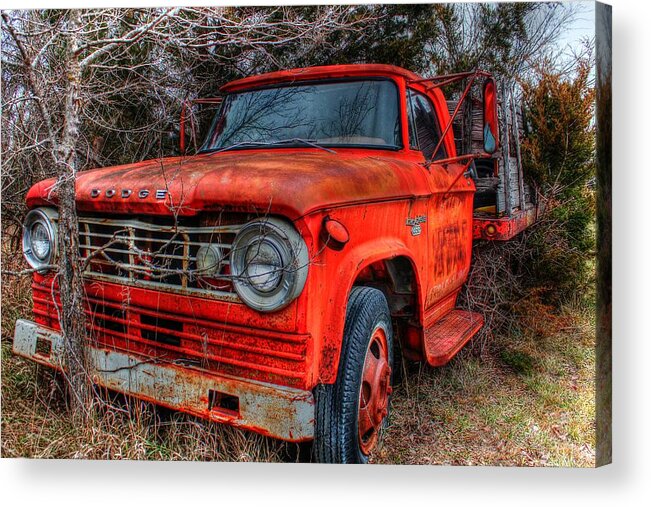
pixel 328 348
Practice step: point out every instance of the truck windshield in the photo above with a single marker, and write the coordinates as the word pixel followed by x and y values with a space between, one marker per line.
pixel 343 113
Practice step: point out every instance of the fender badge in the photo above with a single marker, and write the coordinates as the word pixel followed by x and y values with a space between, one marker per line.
pixel 143 193
pixel 414 223
pixel 95 192
pixel 160 194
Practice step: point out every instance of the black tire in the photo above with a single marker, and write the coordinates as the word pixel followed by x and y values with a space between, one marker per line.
pixel 336 436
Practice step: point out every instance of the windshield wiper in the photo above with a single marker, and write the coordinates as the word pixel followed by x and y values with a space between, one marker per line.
pixel 234 146
pixel 307 142
pixel 293 140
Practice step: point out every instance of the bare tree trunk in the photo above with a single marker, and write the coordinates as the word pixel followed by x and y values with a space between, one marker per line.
pixel 72 319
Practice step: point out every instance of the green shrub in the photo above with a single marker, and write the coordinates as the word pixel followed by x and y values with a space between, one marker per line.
pixel 559 160
pixel 518 361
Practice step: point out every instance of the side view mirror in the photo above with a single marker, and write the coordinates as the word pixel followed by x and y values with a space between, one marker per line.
pixel 189 118
pixel 491 125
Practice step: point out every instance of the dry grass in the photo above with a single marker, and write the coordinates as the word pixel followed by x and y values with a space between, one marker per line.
pixel 531 403
pixel 36 424
pixel 16 292
pixel 528 400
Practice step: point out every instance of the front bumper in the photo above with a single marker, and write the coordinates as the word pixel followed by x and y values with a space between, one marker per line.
pixel 276 411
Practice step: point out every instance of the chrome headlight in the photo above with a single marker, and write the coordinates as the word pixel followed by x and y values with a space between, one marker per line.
pixel 40 237
pixel 209 260
pixel 269 264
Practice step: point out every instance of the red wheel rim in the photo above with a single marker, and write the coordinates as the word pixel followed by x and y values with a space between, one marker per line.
pixel 374 391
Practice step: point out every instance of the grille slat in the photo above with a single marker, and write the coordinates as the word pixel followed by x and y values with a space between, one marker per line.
pixel 154 255
pixel 152 240
pixel 147 226
pixel 159 331
pixel 195 338
pixel 222 359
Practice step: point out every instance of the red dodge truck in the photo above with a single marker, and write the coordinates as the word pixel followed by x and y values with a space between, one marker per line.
pixel 271 279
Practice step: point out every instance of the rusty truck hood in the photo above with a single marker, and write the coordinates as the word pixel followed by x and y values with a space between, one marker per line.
pixel 290 182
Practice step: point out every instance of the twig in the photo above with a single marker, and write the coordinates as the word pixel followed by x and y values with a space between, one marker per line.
pixel 31 271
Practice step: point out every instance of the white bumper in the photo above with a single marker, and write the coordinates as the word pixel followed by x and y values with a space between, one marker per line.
pixel 277 411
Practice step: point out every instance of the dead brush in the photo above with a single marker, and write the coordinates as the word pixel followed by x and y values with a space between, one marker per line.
pixel 16 290
pixel 540 319
pixel 126 428
pixel 522 285
pixel 493 285
pixel 119 428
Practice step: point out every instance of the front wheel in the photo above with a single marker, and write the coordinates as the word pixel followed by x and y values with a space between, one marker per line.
pixel 352 412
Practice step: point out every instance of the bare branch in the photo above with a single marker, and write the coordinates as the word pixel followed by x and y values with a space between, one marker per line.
pixel 24 272
pixel 108 45
pixel 32 81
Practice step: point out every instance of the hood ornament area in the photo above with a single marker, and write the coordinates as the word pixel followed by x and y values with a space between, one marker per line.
pixel 125 193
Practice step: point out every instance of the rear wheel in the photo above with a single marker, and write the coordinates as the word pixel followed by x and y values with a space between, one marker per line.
pixel 352 412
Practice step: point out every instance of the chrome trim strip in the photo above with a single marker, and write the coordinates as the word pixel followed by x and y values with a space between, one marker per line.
pixel 139 224
pixel 230 297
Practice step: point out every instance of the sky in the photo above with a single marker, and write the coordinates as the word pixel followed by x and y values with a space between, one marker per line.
pixel 583 26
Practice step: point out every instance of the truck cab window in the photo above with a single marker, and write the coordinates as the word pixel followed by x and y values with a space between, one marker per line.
pixel 424 128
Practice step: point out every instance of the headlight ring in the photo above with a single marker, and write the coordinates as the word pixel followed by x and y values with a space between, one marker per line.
pixel 40 237
pixel 269 264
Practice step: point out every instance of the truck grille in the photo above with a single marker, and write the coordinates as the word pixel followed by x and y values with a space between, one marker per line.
pixel 146 253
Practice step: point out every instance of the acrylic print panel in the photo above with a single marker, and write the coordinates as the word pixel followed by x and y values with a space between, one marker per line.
pixel 340 234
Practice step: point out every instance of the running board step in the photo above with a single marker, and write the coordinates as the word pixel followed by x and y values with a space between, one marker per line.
pixel 451 332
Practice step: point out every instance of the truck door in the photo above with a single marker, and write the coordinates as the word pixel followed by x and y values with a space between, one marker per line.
pixel 449 217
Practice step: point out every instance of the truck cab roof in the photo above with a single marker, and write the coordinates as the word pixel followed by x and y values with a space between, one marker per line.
pixel 316 73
